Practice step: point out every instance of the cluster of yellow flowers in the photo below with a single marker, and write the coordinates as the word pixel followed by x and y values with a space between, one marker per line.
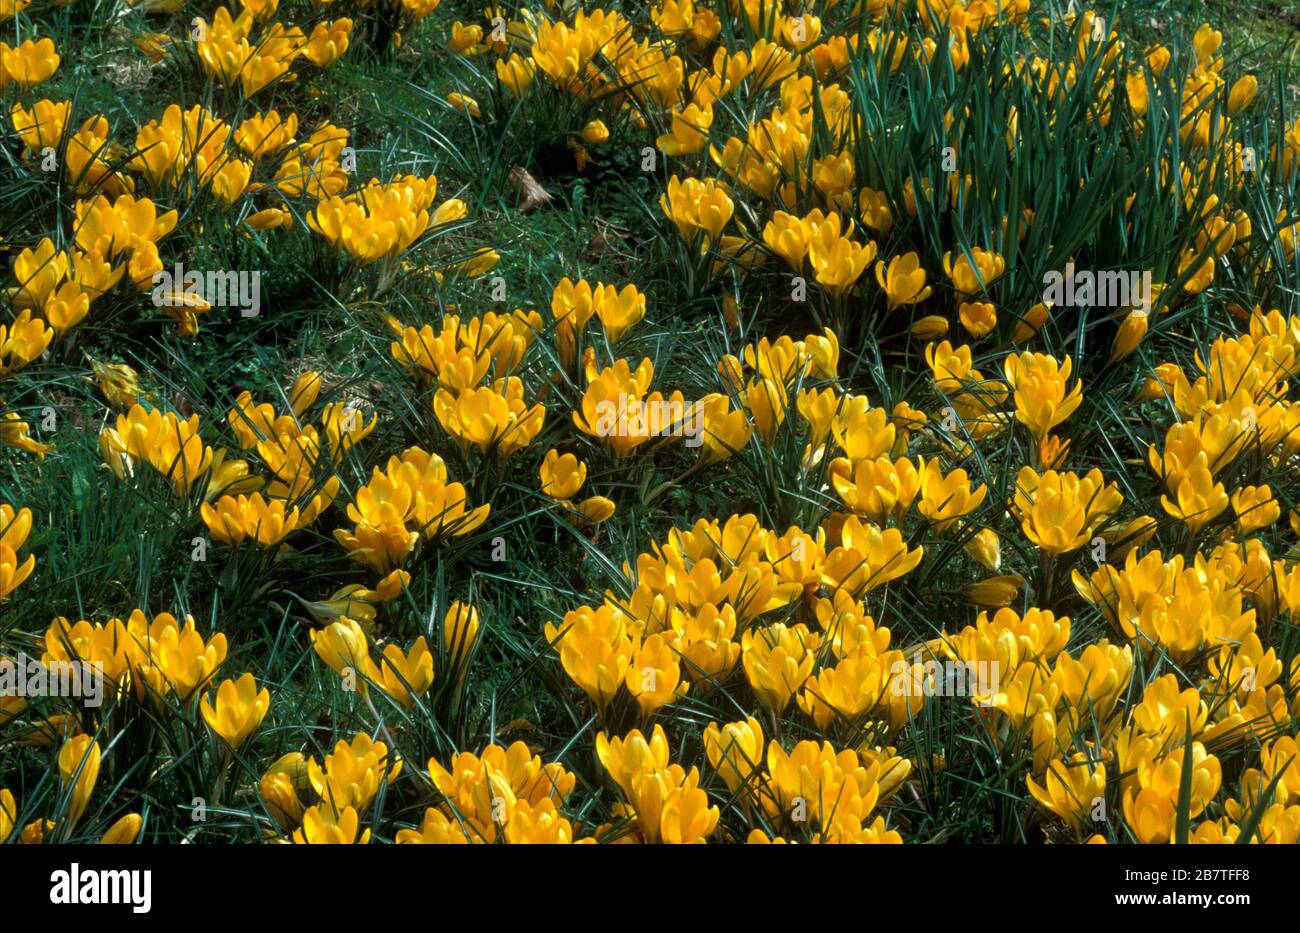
pixel 945 551
pixel 344 786
pixel 29 63
pixel 227 53
pixel 693 617
pixel 405 502
pixel 115 231
pixel 15 526
pixel 143 662
pixel 78 767
pixel 55 288
pixel 382 221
